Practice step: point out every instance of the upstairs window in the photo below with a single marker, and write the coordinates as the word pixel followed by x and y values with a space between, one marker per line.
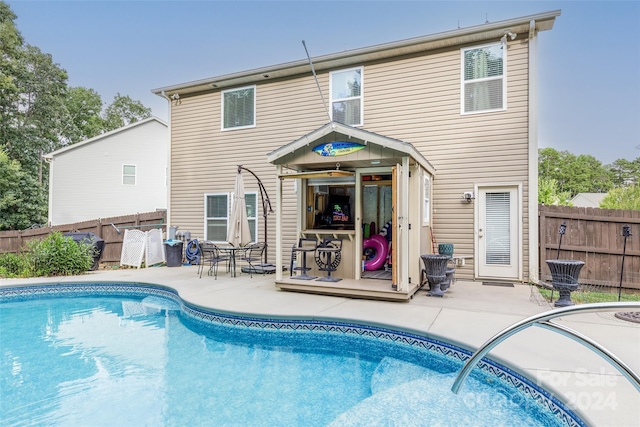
pixel 483 82
pixel 346 96
pixel 128 174
pixel 239 108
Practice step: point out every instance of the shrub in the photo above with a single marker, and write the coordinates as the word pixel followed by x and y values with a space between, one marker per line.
pixel 57 255
pixel 13 265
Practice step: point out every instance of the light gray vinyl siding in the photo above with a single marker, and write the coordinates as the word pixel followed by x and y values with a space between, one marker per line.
pixel 205 160
pixel 413 98
pixel 466 150
pixel 86 181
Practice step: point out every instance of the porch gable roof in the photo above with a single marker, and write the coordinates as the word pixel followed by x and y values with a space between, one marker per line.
pixel 282 155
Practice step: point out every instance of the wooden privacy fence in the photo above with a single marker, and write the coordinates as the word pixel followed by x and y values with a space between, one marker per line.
pixel 594 236
pixel 111 230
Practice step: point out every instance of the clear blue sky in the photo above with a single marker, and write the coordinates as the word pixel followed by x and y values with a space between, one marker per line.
pixel 589 73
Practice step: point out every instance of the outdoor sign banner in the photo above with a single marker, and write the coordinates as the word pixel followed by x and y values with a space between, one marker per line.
pixel 332 149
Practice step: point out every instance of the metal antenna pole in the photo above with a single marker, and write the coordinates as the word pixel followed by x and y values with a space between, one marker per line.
pixel 316 78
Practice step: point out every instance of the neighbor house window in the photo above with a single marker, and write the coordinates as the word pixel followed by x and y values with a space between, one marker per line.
pixel 128 174
pixel 483 82
pixel 239 108
pixel 216 214
pixel 346 96
pixel 250 200
pixel 427 198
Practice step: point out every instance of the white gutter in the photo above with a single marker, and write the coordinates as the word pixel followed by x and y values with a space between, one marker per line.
pixel 168 174
pixel 534 262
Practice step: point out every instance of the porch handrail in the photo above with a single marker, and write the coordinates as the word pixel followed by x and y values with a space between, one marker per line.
pixel 543 320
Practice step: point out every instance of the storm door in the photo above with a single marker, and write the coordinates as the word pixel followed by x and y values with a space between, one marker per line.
pixel 498 234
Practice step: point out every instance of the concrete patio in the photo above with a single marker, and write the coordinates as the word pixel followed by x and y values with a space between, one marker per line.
pixel 468 315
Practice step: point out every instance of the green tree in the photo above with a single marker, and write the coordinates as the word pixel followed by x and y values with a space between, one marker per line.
pixel 574 174
pixel 84 109
pixel 124 111
pixel 32 117
pixel 22 199
pixel 625 172
pixel 548 193
pixel 622 198
pixel 10 55
pixel 10 45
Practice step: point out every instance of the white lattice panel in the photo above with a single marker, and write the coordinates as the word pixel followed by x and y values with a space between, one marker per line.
pixel 133 248
pixel 155 249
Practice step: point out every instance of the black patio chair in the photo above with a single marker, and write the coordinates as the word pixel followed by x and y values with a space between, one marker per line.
pixel 252 255
pixel 211 254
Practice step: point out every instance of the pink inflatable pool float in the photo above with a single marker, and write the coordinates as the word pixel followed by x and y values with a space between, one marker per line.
pixel 380 247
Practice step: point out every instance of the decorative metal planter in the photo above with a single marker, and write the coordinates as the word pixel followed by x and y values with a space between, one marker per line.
pixel 436 269
pixel 449 276
pixel 564 278
pixel 447 249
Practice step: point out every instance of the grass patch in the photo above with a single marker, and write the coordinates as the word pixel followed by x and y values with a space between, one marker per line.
pixel 586 297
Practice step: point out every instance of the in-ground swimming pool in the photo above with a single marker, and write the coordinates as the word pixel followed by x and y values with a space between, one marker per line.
pixel 137 355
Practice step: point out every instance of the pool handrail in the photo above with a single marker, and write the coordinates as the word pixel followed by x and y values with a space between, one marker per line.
pixel 543 320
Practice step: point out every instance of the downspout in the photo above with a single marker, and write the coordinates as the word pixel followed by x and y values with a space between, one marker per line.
pixel 50 201
pixel 534 262
pixel 168 174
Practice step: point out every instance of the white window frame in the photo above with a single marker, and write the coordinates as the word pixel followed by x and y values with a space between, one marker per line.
pixel 125 175
pixel 222 106
pixel 361 97
pixel 426 190
pixel 464 82
pixel 251 218
pixel 207 218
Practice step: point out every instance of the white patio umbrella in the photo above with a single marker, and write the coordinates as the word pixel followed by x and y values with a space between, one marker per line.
pixel 239 233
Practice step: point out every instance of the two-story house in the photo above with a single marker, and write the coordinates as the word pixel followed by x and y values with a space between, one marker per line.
pixel 430 140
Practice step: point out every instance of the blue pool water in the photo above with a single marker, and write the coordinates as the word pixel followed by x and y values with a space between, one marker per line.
pixel 80 357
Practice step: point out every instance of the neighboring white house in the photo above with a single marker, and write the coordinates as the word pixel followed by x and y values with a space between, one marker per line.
pixel 588 200
pixel 121 172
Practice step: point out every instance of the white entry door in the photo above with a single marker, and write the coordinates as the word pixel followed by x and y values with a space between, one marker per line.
pixel 498 234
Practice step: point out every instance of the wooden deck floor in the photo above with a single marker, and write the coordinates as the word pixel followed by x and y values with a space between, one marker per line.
pixel 364 288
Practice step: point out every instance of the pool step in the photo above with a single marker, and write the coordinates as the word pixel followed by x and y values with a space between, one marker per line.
pixel 159 305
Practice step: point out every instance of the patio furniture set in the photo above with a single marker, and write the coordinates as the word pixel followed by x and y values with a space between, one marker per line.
pixel 214 255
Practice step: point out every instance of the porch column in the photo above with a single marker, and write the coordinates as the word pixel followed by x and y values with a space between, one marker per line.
pixel 278 223
pixel 403 252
